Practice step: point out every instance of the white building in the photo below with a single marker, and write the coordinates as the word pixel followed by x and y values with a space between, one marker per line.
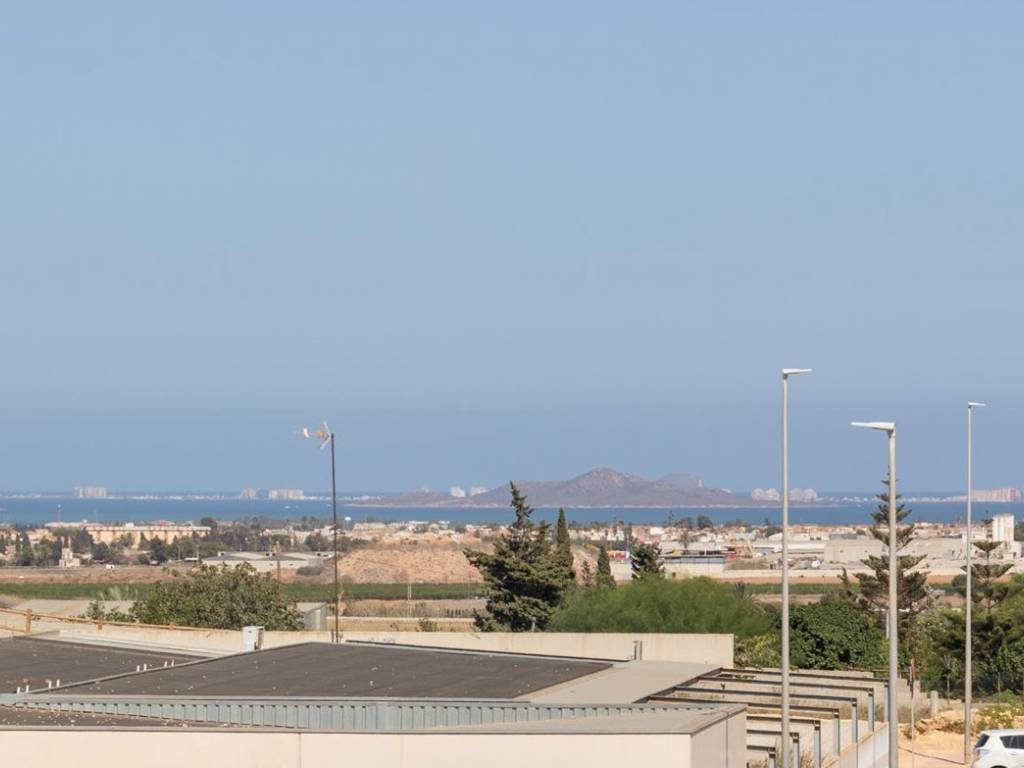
pixel 91 492
pixel 285 494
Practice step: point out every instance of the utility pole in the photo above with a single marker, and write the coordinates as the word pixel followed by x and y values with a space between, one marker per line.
pixel 894 729
pixel 326 438
pixel 786 745
pixel 968 629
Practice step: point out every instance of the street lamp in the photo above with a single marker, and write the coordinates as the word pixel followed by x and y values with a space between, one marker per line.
pixel 326 437
pixel 786 373
pixel 894 735
pixel 968 666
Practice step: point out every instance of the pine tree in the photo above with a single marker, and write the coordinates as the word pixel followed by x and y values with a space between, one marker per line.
pixel 988 590
pixel 523 575
pixel 604 576
pixel 645 561
pixel 996 635
pixel 912 594
pixel 563 547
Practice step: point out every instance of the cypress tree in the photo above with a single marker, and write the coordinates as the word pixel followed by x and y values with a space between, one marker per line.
pixel 523 575
pixel 604 576
pixel 563 549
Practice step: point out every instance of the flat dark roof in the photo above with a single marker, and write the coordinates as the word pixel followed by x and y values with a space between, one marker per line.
pixel 323 669
pixel 31 661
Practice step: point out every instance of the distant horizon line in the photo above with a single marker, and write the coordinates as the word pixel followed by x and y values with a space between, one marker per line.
pixel 144 494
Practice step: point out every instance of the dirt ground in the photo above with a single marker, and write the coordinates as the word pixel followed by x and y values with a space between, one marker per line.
pixel 419 562
pixel 399 563
pixel 937 749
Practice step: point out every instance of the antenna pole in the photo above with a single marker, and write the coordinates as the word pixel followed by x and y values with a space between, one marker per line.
pixel 334 521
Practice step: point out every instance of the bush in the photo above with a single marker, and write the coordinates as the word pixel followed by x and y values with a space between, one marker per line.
pixel 220 598
pixel 833 634
pixel 696 604
pixel 1005 714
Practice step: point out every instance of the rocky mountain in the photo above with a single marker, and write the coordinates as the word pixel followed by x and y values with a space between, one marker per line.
pixel 601 487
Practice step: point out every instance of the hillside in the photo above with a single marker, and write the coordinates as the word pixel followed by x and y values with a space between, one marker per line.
pixel 602 487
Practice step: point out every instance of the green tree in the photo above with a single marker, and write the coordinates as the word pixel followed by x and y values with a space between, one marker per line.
pixel 912 590
pixel 47 551
pixel 697 604
pixel 586 574
pixel 523 575
pixel 988 590
pixel 78 539
pixel 645 561
pixel 835 634
pixel 704 523
pixel 563 549
pixel 158 550
pixel 102 553
pixel 220 598
pixel 317 542
pixel 604 577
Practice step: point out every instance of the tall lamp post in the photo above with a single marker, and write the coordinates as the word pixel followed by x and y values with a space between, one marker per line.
pixel 894 735
pixel 968 666
pixel 786 373
pixel 326 438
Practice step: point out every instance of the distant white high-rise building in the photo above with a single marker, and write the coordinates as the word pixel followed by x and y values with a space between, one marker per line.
pixel 997 495
pixel 1002 528
pixel 456 492
pixel 91 492
pixel 766 494
pixel 476 490
pixel 803 494
pixel 285 494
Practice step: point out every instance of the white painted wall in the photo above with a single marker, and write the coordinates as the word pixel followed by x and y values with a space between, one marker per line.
pixel 213 749
pixel 713 650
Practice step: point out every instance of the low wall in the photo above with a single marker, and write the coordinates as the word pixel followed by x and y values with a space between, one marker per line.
pixel 262 749
pixel 713 650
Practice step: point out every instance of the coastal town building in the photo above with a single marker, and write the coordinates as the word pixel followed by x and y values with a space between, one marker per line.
pixel 111 533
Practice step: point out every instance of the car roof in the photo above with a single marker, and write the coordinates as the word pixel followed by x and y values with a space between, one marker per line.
pixel 1005 732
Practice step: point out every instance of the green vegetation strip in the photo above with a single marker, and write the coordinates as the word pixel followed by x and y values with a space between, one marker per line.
pixel 301 592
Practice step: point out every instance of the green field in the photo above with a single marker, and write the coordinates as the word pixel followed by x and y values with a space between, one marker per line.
pixel 298 592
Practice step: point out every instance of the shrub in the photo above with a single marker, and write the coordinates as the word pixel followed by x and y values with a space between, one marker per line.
pixel 221 598
pixel 834 634
pixel 696 604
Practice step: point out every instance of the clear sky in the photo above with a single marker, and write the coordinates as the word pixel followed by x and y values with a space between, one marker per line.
pixel 493 241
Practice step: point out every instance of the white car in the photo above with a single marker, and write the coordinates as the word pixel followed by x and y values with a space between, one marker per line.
pixel 1002 748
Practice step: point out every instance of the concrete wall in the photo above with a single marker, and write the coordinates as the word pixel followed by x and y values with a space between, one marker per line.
pixel 724 744
pixel 714 650
pixel 261 749
pixel 872 751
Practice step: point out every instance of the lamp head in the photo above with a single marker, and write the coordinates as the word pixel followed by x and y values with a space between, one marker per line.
pixel 884 426
pixel 975 405
pixel 787 372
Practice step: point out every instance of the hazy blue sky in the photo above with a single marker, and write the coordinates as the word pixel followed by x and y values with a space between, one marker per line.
pixel 493 241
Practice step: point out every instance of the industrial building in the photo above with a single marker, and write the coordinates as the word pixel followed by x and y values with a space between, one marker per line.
pixel 401 704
